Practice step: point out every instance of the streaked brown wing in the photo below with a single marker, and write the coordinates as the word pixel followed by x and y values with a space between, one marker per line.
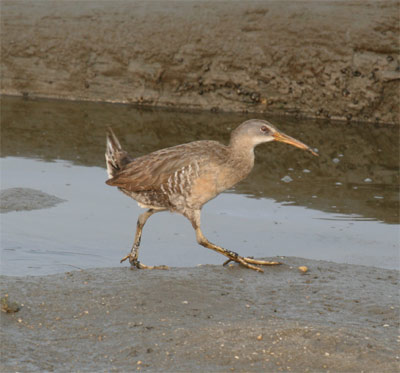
pixel 149 172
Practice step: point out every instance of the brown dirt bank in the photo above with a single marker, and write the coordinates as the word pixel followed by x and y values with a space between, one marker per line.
pixel 338 318
pixel 331 59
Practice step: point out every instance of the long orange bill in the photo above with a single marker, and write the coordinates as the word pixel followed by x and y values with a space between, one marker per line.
pixel 281 137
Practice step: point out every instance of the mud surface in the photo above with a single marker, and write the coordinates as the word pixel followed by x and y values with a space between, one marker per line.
pixel 337 318
pixel 329 59
pixel 26 199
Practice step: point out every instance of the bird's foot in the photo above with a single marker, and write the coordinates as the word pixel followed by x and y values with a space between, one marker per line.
pixel 140 265
pixel 135 263
pixel 249 262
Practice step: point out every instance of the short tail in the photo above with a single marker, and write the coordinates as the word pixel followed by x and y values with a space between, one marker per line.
pixel 116 158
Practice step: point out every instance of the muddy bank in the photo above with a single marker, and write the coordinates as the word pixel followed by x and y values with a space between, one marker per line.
pixel 319 59
pixel 26 199
pixel 336 317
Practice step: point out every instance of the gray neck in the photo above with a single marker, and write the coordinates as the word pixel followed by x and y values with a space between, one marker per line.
pixel 242 146
pixel 242 153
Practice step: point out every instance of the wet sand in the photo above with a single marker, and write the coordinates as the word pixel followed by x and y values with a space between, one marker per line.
pixel 336 317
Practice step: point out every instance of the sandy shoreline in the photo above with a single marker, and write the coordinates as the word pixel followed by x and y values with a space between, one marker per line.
pixel 337 318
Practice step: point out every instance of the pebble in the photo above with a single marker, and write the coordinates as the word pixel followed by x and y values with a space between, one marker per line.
pixel 303 269
pixel 287 179
pixel 367 180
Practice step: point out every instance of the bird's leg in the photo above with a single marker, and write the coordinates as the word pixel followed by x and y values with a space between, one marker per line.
pixel 232 256
pixel 134 254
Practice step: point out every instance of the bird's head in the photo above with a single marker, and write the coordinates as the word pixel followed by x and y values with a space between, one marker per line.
pixel 257 131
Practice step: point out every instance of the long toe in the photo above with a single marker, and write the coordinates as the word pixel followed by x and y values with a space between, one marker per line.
pixel 252 263
pixel 144 266
pixel 243 262
pixel 125 258
pixel 261 262
pixel 136 264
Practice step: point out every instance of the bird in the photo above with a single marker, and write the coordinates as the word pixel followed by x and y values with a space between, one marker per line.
pixel 182 178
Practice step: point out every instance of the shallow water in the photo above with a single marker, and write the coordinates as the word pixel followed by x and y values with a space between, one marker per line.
pixel 342 206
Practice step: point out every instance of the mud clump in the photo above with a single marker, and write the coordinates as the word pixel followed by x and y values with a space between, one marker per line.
pixel 8 306
pixel 25 199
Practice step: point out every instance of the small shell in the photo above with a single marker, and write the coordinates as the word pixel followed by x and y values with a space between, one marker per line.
pixel 303 269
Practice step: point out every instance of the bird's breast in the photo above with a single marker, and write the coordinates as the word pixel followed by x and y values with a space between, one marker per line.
pixel 208 185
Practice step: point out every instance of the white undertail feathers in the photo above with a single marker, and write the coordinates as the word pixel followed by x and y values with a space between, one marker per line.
pixel 116 158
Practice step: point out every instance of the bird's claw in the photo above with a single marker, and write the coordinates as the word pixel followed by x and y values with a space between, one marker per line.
pixel 135 263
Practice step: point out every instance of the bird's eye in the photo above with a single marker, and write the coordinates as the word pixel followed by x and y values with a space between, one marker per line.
pixel 264 129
